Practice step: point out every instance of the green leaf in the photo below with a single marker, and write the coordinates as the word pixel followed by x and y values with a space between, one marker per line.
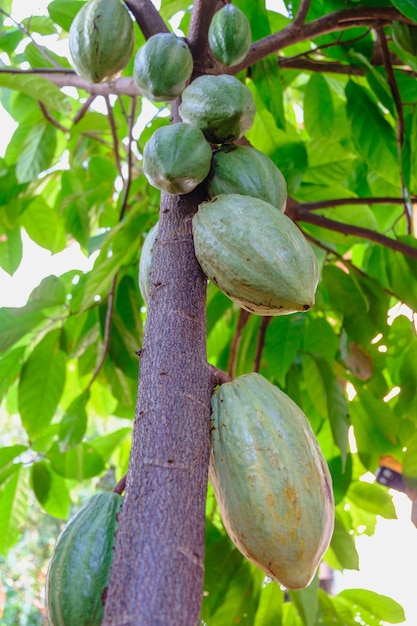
pixel 307 602
pixel 44 225
pixel 15 323
pixel 271 600
pixel 372 498
pixel 51 490
pixel 372 134
pixel 64 11
pixel 37 152
pixel 10 366
pixel 8 456
pixel 343 546
pixel 410 463
pixel 329 163
pixel 282 341
pixel 74 421
pixel 318 107
pixel 266 77
pixel 13 508
pixel 41 384
pixel 50 293
pixel 79 463
pixel 38 88
pixel 107 444
pixel 407 8
pixel 10 249
pixel 376 604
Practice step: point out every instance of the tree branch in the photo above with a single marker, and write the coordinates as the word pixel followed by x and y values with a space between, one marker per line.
pixel 234 348
pixel 147 16
pixel 328 204
pixel 261 341
pixel 400 123
pixel 299 214
pixel 302 12
pixel 113 130
pixel 202 13
pixel 51 119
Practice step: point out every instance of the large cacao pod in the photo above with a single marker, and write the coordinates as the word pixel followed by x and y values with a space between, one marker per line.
pixel 255 254
pixel 247 171
pixel 101 40
pixel 146 263
pixel 162 67
pixel 177 158
pixel 270 479
pixel 221 106
pixel 79 570
pixel 229 35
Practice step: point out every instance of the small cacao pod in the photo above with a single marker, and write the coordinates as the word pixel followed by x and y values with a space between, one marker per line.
pixel 176 158
pixel 101 40
pixel 247 171
pixel 221 106
pixel 229 35
pixel 79 570
pixel 270 479
pixel 255 254
pixel 162 67
pixel 146 263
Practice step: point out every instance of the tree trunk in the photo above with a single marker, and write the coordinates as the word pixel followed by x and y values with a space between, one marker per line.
pixel 158 567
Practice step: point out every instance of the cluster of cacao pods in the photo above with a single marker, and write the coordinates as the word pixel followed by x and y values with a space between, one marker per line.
pixel 271 481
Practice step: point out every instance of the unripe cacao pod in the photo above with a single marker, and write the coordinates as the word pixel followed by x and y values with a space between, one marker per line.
pixel 79 570
pixel 221 106
pixel 101 40
pixel 229 35
pixel 176 158
pixel 270 479
pixel 247 171
pixel 162 67
pixel 146 263
pixel 255 254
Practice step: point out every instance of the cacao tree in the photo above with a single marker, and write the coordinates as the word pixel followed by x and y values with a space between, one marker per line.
pixel 335 93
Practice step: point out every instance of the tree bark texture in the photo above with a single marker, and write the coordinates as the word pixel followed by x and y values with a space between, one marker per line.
pixel 163 515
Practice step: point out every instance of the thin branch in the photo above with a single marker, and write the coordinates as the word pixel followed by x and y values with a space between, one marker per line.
pixel 202 13
pixel 147 16
pixel 371 17
pixel 128 181
pixel 220 377
pixel 261 341
pixel 303 9
pixel 234 348
pixel 107 331
pixel 400 124
pixel 80 114
pixel 298 214
pixel 120 486
pixel 328 204
pixel 51 119
pixel 113 130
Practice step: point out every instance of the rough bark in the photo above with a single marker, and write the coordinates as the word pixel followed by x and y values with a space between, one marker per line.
pixel 162 520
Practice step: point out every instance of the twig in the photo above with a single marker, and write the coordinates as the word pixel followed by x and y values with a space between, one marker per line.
pixel 400 124
pixel 80 114
pixel 51 119
pixel 202 12
pixel 120 486
pixel 114 135
pixel 261 341
pixel 147 16
pixel 328 204
pixel 302 12
pixel 128 181
pixel 241 323
pixel 297 213
pixel 220 377
pixel 107 331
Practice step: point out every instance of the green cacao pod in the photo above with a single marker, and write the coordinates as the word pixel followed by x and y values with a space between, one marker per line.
pixel 176 158
pixel 162 67
pixel 270 479
pixel 255 254
pixel 229 35
pixel 101 40
pixel 146 263
pixel 221 106
pixel 79 570
pixel 247 171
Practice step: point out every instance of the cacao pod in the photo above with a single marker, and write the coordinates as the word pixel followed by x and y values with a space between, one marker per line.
pixel 177 158
pixel 79 570
pixel 221 106
pixel 162 67
pixel 146 263
pixel 255 254
pixel 101 40
pixel 229 35
pixel 270 479
pixel 247 171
